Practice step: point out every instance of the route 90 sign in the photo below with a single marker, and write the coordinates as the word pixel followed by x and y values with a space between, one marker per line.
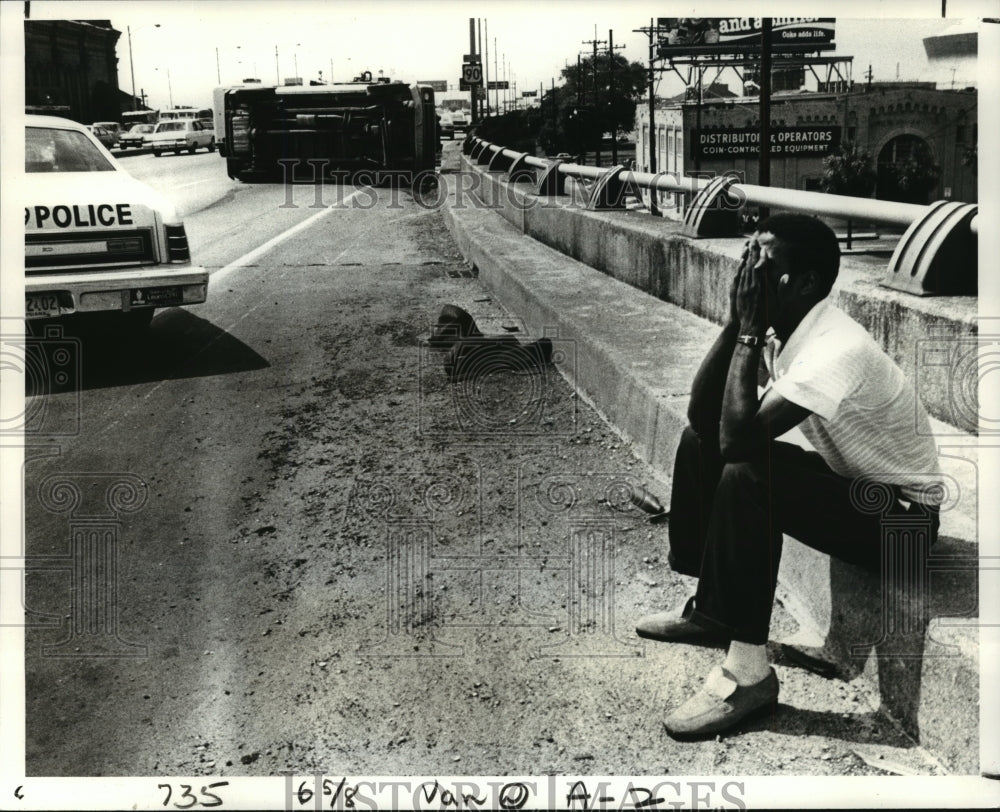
pixel 472 75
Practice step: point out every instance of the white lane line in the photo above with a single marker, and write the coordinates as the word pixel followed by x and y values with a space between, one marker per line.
pixel 244 261
pixel 252 256
pixel 185 185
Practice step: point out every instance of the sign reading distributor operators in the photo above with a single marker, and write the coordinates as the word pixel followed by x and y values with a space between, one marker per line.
pixel 687 36
pixel 712 142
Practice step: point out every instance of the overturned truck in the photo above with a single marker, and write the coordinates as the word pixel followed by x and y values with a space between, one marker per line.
pixel 371 131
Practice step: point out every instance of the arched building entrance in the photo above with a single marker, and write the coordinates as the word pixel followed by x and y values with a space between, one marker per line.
pixel 907 171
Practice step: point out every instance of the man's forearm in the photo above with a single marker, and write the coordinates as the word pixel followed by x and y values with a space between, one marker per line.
pixel 705 406
pixel 739 401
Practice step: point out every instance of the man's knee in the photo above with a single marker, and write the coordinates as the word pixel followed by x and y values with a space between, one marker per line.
pixel 741 476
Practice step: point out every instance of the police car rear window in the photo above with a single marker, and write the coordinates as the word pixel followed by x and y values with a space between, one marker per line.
pixel 55 150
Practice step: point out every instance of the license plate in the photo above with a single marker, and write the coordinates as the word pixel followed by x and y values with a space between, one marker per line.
pixel 155 297
pixel 40 305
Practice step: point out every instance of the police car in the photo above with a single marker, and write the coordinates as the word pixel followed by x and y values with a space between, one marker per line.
pixel 96 239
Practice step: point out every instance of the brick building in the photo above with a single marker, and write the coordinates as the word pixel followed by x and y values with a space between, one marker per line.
pixel 72 65
pixel 933 124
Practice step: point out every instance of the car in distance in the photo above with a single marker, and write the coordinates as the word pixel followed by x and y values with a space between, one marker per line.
pixel 460 121
pixel 107 138
pixel 100 247
pixel 133 137
pixel 112 127
pixel 179 135
pixel 446 124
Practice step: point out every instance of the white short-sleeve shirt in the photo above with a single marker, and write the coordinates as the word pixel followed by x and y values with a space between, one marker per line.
pixel 866 417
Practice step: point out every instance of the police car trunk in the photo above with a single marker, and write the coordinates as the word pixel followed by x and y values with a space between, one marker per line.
pixel 96 239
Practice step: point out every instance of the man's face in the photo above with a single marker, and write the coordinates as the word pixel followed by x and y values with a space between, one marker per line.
pixel 781 283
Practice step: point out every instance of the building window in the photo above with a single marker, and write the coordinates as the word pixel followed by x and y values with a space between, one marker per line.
pixel 852 133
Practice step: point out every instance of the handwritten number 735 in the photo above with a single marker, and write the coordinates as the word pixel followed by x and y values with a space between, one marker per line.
pixel 187 799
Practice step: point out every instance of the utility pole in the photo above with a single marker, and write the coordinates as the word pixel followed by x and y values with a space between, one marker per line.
pixel 496 76
pixel 480 89
pixel 277 72
pixel 653 207
pixel 611 96
pixel 596 117
pixel 765 107
pixel 472 51
pixel 486 67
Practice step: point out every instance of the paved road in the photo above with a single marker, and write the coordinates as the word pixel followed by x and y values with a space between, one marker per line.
pixel 331 559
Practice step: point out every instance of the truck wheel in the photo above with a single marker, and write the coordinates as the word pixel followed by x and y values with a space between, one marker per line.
pixel 211 145
pixel 192 148
pixel 157 153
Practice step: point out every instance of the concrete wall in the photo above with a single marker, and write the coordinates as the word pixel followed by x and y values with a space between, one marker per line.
pixel 929 337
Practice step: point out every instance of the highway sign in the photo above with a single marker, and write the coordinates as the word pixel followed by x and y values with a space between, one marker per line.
pixel 472 75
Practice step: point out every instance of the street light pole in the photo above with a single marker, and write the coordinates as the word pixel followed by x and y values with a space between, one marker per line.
pixel 131 64
pixel 170 88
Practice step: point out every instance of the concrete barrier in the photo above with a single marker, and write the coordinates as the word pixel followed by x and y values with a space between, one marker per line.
pixel 641 304
pixel 652 255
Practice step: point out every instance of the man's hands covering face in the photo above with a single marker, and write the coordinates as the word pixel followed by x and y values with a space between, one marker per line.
pixel 749 295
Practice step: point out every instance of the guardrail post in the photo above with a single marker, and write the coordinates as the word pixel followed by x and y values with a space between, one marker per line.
pixel 486 154
pixel 520 170
pixel 551 183
pixel 468 143
pixel 711 213
pixel 608 192
pixel 938 253
pixel 499 162
pixel 477 150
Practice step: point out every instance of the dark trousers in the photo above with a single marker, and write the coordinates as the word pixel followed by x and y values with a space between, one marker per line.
pixel 727 521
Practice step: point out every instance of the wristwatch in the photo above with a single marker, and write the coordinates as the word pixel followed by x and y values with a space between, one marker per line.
pixel 751 341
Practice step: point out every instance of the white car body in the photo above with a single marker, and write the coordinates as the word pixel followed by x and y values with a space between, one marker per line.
pixel 97 239
pixel 179 135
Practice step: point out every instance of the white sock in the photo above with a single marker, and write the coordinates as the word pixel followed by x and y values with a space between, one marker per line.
pixel 747 663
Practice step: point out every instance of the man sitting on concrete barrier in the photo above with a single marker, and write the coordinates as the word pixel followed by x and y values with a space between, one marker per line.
pixel 735 490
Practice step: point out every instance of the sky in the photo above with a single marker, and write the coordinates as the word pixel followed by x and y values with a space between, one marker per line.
pixel 182 50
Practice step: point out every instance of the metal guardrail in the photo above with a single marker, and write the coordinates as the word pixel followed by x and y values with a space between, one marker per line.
pixel 937 235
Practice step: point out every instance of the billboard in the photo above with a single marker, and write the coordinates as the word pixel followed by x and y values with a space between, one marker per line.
pixel 437 85
pixel 688 36
pixel 719 142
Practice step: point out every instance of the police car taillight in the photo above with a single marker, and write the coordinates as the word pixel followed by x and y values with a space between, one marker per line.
pixel 177 244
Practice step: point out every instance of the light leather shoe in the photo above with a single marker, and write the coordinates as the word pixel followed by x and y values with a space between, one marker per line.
pixel 722 704
pixel 674 627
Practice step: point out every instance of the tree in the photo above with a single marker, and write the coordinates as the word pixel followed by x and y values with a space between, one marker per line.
pixel 848 171
pixel 907 170
pixel 577 113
